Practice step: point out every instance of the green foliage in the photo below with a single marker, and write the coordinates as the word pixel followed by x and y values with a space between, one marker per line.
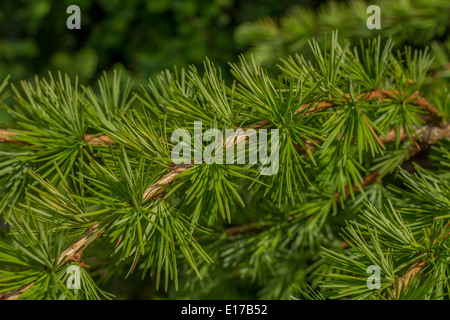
pixel 418 23
pixel 138 35
pixel 408 229
pixel 96 163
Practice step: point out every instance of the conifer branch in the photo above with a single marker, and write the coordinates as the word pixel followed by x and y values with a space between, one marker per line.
pixel 347 133
pixel 428 134
pixel 376 94
pixel 80 244
pixel 259 226
pixel 98 140
pixel 69 254
pixel 158 187
pixel 7 136
pixel 402 283
pixel 16 293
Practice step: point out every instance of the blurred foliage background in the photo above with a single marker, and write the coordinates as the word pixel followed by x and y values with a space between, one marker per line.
pixel 141 36
pixel 144 37
pixel 416 23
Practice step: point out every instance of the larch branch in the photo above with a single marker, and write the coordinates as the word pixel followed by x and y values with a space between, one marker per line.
pixel 430 134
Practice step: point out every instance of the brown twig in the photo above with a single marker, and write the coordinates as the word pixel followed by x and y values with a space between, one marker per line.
pixel 16 293
pixel 377 94
pixel 403 281
pixel 71 253
pixel 80 244
pixel 7 136
pixel 252 226
pixel 414 269
pixel 98 140
pixel 371 178
pixel 158 187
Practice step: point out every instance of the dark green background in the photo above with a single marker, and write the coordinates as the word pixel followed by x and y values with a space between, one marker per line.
pixel 141 36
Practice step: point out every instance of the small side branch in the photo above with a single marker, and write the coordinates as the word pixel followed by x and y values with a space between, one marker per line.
pixel 403 281
pixel 7 136
pixel 415 268
pixel 66 256
pixel 10 137
pixel 16 293
pixel 428 134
